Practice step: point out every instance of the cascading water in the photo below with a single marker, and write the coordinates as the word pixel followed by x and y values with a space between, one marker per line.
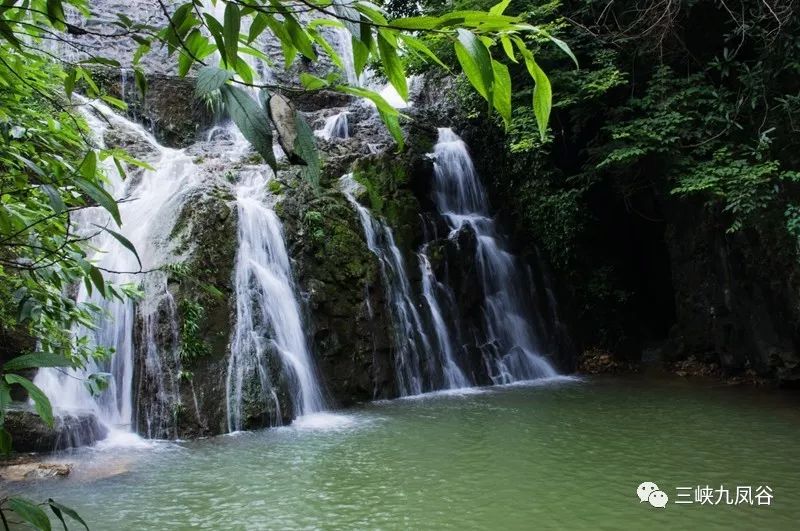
pixel 268 318
pixel 336 126
pixel 510 351
pixel 414 351
pixel 454 377
pixel 148 213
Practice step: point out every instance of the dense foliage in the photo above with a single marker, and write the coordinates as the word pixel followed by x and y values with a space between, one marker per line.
pixel 676 104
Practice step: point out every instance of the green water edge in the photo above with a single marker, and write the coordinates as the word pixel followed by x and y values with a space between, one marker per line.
pixel 564 454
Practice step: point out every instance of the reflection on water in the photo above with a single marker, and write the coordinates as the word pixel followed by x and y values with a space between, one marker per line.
pixel 564 454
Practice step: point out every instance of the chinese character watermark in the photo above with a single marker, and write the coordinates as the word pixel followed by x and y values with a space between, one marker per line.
pixel 707 495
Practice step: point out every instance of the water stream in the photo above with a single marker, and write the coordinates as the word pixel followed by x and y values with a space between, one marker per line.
pixel 511 350
pixel 268 318
pixel 413 356
pixel 150 206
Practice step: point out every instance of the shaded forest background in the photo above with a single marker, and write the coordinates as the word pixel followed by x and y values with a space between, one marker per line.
pixel 665 197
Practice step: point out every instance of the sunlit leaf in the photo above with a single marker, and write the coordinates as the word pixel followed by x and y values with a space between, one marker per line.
pixel 476 62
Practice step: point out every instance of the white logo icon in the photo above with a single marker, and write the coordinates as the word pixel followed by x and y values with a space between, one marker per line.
pixel 649 492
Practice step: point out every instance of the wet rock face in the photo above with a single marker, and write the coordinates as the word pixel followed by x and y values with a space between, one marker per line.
pixel 736 305
pixel 338 277
pixel 203 293
pixel 30 434
pixel 169 109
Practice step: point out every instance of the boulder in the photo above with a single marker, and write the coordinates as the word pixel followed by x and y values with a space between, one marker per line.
pixel 30 434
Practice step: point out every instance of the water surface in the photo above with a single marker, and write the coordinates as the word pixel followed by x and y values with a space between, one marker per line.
pixel 563 454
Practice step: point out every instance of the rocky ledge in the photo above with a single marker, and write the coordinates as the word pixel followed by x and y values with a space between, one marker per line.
pixel 31 434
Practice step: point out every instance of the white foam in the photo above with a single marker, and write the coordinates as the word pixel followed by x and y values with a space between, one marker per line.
pixel 323 421
pixel 117 438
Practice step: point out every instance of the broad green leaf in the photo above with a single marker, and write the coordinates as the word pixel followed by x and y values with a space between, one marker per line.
pixel 123 241
pixel 332 53
pixel 5 398
pixel 257 27
pixel 542 92
pixel 542 96
pixel 300 38
pixel 508 47
pixel 69 83
pixel 114 102
pixel 418 45
pixel 312 82
pixel 360 55
pixel 280 32
pixel 190 51
pixel 54 197
pixel 8 34
pixel 306 148
pixel 217 33
pixel 251 120
pixel 141 81
pixel 416 23
pixel 350 17
pixel 392 65
pixel 388 114
pixel 58 509
pixel 565 47
pixel 244 71
pixel 31 165
pixel 96 193
pixel 476 62
pixel 40 401
pixel 97 279
pixel 500 7
pixel 29 513
pixel 231 32
pixel 372 12
pixel 35 360
pixel 502 91
pixel 210 79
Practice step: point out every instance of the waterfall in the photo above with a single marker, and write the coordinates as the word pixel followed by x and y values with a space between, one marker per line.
pixel 413 356
pixel 454 377
pixel 268 317
pixel 152 203
pixel 511 351
pixel 336 126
